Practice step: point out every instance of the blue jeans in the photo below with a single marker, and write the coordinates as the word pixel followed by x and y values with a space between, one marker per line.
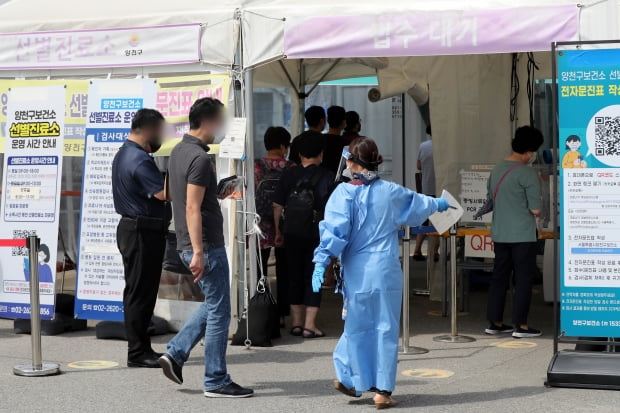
pixel 210 321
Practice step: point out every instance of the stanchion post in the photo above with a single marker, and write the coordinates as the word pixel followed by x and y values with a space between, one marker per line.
pixel 454 336
pixel 37 368
pixel 406 348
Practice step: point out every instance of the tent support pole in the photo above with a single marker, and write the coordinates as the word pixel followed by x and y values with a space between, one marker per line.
pixel 249 152
pixel 301 96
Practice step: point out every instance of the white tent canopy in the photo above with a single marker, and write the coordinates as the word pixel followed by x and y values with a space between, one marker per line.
pixel 460 51
pixel 219 32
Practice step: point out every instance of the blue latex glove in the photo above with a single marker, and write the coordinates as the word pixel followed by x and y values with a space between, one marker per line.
pixel 318 277
pixel 442 205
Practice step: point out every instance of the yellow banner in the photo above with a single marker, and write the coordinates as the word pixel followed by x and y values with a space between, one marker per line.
pixel 175 96
pixel 75 111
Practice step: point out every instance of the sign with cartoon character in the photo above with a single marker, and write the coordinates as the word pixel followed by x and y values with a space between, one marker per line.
pixel 31 194
pixel 589 133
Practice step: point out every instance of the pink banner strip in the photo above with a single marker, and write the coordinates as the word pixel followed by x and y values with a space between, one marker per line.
pixel 431 33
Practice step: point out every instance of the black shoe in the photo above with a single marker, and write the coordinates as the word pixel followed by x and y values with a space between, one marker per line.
pixel 157 355
pixel 523 333
pixel 493 329
pixel 419 257
pixel 145 360
pixel 171 368
pixel 232 390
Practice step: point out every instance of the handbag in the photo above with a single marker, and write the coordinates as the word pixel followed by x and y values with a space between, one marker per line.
pixel 490 202
pixel 262 323
pixel 172 261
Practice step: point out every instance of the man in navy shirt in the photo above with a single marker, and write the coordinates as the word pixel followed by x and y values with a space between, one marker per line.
pixel 138 190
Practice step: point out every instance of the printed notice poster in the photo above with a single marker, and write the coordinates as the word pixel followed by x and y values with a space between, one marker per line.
pixel 100 278
pixel 76 97
pixel 589 133
pixel 31 195
pixel 474 192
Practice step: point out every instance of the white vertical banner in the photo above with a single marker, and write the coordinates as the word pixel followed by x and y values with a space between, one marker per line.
pixel 100 278
pixel 31 195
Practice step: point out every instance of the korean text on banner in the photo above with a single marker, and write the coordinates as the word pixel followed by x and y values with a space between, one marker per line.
pixel 175 96
pixel 589 132
pixel 431 33
pixel 76 99
pixel 474 192
pixel 100 277
pixel 31 195
pixel 132 46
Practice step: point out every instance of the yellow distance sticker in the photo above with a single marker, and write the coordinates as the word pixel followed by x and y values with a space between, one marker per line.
pixel 514 344
pixel 92 365
pixel 428 373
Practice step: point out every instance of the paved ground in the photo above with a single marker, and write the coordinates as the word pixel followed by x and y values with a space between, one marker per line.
pixel 296 375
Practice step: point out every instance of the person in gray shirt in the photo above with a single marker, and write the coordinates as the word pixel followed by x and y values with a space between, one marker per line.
pixel 200 241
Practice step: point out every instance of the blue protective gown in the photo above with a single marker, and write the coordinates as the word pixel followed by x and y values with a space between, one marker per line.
pixel 361 228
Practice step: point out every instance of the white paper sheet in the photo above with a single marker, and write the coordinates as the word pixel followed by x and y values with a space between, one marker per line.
pixel 442 221
pixel 233 145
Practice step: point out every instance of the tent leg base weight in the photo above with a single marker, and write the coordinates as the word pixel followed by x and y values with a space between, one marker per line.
pixel 454 339
pixel 584 370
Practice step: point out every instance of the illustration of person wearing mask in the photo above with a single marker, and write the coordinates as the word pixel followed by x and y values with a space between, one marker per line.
pixel 573 158
pixel 45 271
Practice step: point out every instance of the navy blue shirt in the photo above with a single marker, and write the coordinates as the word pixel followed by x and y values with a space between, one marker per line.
pixel 135 181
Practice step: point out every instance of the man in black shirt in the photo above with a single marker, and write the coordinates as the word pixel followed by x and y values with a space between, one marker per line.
pixel 315 118
pixel 200 241
pixel 138 191
pixel 334 142
pixel 300 245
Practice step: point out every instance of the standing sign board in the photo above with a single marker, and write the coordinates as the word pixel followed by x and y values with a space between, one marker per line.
pixel 31 194
pixel 100 278
pixel 589 133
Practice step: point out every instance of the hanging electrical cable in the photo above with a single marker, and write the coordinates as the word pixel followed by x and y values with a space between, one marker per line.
pixel 514 87
pixel 532 66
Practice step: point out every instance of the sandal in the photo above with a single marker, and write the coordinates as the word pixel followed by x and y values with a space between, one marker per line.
pixel 386 404
pixel 297 331
pixel 312 334
pixel 419 257
pixel 345 390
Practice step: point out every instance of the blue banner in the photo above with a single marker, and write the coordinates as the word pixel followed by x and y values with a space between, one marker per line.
pixel 589 133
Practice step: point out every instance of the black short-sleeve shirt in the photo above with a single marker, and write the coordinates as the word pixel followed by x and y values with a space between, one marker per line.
pixel 135 181
pixel 190 164
pixel 290 178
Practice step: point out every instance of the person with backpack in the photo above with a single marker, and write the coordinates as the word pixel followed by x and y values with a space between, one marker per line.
pixel 300 198
pixel 267 173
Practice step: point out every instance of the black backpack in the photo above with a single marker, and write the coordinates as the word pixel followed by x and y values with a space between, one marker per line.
pixel 265 190
pixel 301 219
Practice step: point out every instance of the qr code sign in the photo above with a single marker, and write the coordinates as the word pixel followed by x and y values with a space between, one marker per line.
pixel 607 136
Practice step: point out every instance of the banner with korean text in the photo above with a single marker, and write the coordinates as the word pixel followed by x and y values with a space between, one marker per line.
pixel 113 47
pixel 175 96
pixel 31 194
pixel 76 98
pixel 431 33
pixel 589 133
pixel 100 277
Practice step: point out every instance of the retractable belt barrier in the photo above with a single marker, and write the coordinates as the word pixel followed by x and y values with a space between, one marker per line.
pixel 37 367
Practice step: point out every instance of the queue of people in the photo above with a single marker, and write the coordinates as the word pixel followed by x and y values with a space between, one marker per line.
pixel 309 220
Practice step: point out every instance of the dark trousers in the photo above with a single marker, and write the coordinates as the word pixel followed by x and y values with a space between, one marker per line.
pixel 143 253
pixel 282 283
pixel 300 253
pixel 518 258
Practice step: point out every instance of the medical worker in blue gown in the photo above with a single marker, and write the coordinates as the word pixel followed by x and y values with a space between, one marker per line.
pixel 361 224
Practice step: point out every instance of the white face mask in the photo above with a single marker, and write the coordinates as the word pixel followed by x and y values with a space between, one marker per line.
pixel 347 173
pixel 532 159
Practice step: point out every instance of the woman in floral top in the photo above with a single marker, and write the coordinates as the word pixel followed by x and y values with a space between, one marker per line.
pixel 267 173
